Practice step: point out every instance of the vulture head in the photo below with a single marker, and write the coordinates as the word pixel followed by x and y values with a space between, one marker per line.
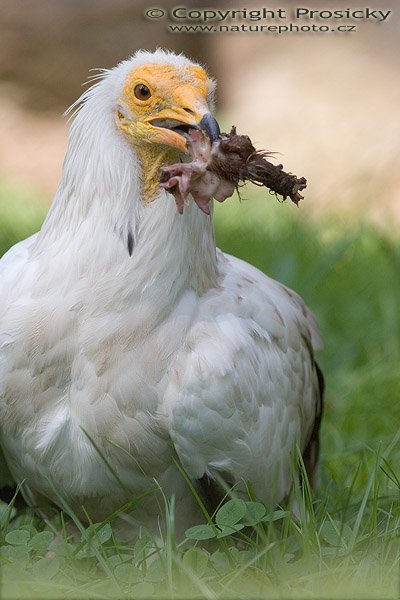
pixel 133 120
pixel 151 101
pixel 160 103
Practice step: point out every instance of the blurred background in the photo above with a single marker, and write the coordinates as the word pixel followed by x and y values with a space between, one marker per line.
pixel 327 103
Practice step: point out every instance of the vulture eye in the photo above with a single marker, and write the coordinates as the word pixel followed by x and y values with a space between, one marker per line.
pixel 142 92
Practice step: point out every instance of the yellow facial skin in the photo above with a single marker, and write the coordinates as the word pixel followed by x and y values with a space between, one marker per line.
pixel 179 94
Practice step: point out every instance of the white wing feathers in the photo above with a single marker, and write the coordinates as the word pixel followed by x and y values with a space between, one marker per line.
pixel 239 389
pixel 243 388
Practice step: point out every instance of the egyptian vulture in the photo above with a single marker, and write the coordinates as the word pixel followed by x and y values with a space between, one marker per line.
pixel 128 341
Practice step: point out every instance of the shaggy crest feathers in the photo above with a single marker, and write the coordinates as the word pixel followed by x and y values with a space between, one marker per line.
pixel 115 77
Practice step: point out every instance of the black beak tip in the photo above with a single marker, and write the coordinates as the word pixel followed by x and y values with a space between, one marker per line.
pixel 210 126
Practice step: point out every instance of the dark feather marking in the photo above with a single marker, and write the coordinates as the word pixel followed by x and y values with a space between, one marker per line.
pixel 130 242
pixel 311 453
pixel 308 345
pixel 211 493
pixel 7 493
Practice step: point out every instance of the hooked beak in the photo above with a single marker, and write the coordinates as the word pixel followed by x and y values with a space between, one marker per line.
pixel 172 129
pixel 210 126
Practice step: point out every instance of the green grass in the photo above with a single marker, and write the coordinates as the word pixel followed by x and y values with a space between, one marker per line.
pixel 344 543
pixel 21 214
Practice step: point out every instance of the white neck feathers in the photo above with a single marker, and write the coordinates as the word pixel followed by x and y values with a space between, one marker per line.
pixel 99 200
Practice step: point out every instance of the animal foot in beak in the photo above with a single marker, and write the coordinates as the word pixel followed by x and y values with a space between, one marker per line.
pixel 194 177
